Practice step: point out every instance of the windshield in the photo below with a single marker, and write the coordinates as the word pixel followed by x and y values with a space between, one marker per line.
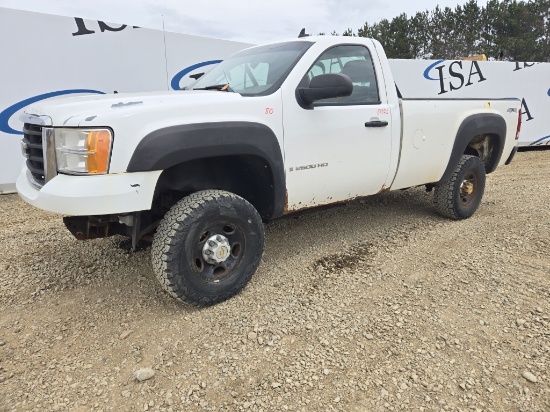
pixel 258 71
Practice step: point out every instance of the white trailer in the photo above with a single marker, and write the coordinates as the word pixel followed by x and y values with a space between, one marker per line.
pixel 46 56
pixel 459 79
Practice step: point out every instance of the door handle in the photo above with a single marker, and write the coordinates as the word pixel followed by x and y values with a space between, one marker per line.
pixel 376 123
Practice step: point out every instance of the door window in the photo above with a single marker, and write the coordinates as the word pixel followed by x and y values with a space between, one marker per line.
pixel 356 63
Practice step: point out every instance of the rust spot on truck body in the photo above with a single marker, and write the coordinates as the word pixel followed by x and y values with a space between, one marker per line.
pixel 93 227
pixel 384 189
pixel 349 199
pixel 285 209
pixel 339 203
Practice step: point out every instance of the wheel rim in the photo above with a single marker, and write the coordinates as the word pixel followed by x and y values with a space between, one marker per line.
pixel 468 189
pixel 226 242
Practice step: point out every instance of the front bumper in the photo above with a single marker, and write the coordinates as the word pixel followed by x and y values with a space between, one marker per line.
pixel 91 195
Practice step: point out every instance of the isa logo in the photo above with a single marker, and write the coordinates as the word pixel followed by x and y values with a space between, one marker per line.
pixel 454 75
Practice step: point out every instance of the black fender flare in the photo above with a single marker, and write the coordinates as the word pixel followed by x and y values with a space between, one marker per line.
pixel 477 124
pixel 167 147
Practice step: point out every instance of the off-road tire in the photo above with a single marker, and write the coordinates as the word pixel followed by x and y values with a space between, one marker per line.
pixel 449 197
pixel 180 236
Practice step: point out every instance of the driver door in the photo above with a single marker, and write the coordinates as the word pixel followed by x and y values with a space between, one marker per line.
pixel 331 152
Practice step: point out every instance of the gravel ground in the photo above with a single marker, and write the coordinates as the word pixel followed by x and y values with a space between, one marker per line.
pixel 376 305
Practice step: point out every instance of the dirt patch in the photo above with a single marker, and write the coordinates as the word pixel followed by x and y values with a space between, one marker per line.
pixel 357 256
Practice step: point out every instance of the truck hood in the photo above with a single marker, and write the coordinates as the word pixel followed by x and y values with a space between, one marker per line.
pixel 80 110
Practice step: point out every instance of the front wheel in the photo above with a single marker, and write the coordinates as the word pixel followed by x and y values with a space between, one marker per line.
pixel 207 247
pixel 460 196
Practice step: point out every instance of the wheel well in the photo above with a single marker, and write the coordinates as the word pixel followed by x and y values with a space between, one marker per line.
pixel 486 147
pixel 245 175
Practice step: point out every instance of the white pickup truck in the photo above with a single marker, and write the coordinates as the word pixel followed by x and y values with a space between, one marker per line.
pixel 271 130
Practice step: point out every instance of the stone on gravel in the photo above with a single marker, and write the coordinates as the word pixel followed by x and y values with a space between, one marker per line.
pixel 144 374
pixel 125 334
pixel 529 376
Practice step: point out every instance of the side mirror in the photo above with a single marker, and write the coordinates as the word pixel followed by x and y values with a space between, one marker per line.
pixel 326 86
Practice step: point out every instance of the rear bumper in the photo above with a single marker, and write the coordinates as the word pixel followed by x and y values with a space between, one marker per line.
pixel 91 195
pixel 511 157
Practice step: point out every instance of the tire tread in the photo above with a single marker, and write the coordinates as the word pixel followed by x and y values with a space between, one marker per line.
pixel 178 219
pixel 444 194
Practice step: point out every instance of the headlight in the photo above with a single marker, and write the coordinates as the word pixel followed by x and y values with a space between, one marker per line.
pixel 83 151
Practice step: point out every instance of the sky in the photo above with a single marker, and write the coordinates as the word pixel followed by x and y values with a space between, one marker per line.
pixel 249 21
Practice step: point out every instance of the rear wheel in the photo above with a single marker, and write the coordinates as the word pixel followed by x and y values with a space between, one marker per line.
pixel 460 196
pixel 207 247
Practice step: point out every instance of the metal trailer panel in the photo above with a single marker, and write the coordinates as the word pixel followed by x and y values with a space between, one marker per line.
pixel 483 79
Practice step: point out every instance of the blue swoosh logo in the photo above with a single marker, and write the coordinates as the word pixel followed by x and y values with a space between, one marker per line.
pixel 429 69
pixel 6 114
pixel 175 83
pixel 540 140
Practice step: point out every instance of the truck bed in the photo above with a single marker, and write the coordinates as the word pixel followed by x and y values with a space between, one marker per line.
pixel 425 151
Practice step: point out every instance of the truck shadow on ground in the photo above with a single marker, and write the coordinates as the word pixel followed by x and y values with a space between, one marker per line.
pixel 356 221
pixel 108 264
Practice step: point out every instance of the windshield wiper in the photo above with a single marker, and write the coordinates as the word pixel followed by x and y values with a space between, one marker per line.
pixel 221 87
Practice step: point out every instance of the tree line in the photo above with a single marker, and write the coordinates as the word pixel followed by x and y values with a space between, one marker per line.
pixel 502 30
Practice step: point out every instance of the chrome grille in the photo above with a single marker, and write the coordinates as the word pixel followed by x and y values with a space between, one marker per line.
pixel 32 148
